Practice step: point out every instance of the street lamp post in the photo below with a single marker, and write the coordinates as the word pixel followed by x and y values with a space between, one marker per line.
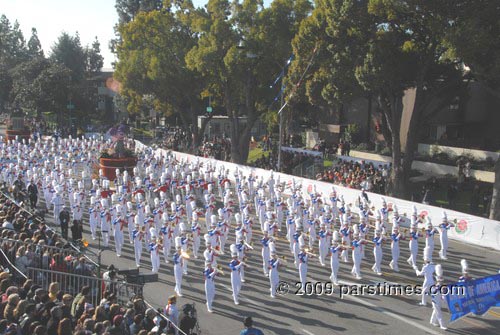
pixel 280 140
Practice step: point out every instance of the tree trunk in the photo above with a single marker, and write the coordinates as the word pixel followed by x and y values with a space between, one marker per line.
pixel 495 199
pixel 391 110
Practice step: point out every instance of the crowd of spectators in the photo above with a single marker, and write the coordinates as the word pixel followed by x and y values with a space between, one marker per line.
pixel 358 175
pixel 27 308
pixel 217 147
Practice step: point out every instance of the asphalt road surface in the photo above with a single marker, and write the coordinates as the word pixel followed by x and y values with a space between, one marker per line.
pixel 318 314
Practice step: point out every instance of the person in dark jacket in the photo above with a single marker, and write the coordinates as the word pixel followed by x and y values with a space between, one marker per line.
pixel 64 220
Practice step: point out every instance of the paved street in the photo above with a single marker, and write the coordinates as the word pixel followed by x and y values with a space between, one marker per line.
pixel 318 315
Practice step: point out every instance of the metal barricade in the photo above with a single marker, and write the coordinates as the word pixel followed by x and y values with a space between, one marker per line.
pixel 73 283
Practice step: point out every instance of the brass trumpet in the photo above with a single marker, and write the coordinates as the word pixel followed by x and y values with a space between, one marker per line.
pixel 185 255
pixel 219 270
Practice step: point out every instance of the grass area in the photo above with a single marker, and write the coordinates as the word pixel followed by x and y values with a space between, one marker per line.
pixel 327 163
pixel 255 154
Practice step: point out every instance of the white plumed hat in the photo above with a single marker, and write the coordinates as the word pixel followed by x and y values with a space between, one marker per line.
pixel 439 272
pixel 178 242
pixel 465 266
pixel 234 250
pixel 272 248
pixel 335 236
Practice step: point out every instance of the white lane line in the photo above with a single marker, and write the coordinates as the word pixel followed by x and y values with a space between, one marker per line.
pixel 307 331
pixel 393 315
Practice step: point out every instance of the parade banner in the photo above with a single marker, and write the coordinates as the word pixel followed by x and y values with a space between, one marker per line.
pixel 479 296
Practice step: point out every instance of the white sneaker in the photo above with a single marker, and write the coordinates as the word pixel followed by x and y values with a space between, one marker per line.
pixel 444 328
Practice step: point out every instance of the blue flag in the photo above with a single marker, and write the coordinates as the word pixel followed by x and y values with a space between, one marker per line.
pixel 478 296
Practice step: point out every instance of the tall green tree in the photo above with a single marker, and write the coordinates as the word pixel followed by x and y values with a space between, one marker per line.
pixel 240 44
pixel 69 52
pixel 385 48
pixel 152 63
pixel 34 45
pixel 12 52
pixel 476 42
pixel 94 59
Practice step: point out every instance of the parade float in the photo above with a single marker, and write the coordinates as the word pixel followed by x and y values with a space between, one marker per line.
pixel 16 128
pixel 118 154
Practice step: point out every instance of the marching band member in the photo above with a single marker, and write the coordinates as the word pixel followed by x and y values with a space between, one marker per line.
pixel 427 271
pixel 130 221
pixel 178 266
pixel 335 250
pixel 413 246
pixel 443 236
pixel 137 236
pixel 377 251
pixel 303 259
pixel 105 222
pixel 209 273
pixel 430 231
pixel 465 272
pixel 93 217
pixel 209 254
pixel 154 248
pixel 118 224
pixel 195 234
pixel 437 298
pixel 323 246
pixel 345 232
pixel 265 251
pixel 396 236
pixel 274 264
pixel 235 266
pixel 356 244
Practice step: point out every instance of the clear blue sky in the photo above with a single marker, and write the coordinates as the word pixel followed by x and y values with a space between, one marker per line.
pixel 51 17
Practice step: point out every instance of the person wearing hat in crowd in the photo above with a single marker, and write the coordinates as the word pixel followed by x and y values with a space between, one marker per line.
pixel 443 235
pixel 137 236
pixel 427 272
pixel 413 245
pixel 437 298
pixel 249 329
pixel 235 266
pixel 209 274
